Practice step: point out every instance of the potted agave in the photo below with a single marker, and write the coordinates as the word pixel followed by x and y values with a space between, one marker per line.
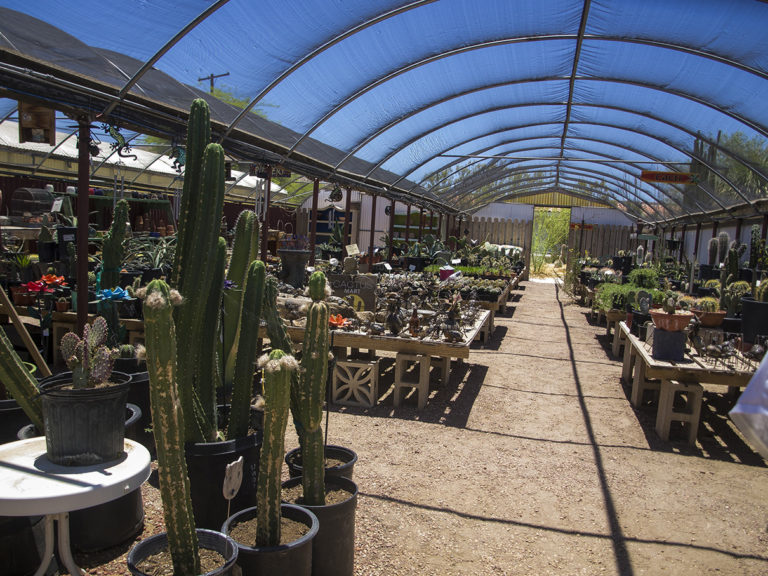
pixel 180 545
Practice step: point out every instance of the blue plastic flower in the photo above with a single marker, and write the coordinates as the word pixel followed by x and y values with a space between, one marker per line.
pixel 114 294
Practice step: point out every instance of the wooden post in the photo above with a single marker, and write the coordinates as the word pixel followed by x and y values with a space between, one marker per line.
pixel 373 232
pixel 348 217
pixel 391 230
pixel 265 221
pixel 83 182
pixel 440 226
pixel 421 222
pixel 739 222
pixel 313 223
pixel 682 245
pixel 714 229
pixel 696 243
pixel 431 230
pixel 407 223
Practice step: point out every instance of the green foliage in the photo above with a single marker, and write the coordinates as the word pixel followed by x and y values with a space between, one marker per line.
pixel 612 296
pixel 644 277
pixel 732 296
pixel 756 246
pixel 761 292
pixel 550 230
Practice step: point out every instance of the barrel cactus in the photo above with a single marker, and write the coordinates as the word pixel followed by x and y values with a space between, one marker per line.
pixel 278 368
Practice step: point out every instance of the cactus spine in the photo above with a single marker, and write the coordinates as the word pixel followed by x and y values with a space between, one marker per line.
pixel 168 421
pixel 245 249
pixel 310 393
pixel 19 382
pixel 198 274
pixel 278 369
pixel 112 249
pixel 712 248
pixel 250 321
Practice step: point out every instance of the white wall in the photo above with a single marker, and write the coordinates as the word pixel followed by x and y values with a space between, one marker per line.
pixel 505 211
pixel 604 216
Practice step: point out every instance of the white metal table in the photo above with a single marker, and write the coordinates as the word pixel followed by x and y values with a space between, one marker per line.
pixel 32 485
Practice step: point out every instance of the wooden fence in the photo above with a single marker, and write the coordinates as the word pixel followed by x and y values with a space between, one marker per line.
pixel 600 241
pixel 499 231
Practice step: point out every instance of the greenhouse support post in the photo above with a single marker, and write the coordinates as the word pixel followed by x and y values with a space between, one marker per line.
pixel 83 183
pixel 373 232
pixel 407 223
pixel 313 223
pixel 348 217
pixel 265 222
pixel 391 229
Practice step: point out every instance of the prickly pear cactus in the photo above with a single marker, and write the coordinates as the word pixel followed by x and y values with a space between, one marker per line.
pixel 278 369
pixel 168 419
pixel 88 357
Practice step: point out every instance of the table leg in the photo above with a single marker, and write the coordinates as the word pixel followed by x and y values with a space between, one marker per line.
pixel 638 385
pixel 629 359
pixel 65 550
pixel 48 552
pixel 617 333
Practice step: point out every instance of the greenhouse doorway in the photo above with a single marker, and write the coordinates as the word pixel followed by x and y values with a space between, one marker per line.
pixel 549 244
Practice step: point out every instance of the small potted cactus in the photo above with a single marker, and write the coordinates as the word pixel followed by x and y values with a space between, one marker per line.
pixel 84 410
pixel 707 310
pixel 62 304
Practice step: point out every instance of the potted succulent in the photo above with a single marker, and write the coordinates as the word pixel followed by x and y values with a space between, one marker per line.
pixel 84 411
pixel 707 310
pixel 179 545
pixel 264 547
pixel 669 318
pixel 62 304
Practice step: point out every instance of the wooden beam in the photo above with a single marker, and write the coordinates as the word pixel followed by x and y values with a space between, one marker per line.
pixel 265 221
pixel 313 223
pixel 24 333
pixel 83 183
pixel 391 230
pixel 407 223
pixel 348 217
pixel 373 232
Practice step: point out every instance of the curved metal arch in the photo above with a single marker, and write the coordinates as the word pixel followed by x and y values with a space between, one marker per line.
pixel 674 146
pixel 160 53
pixel 639 211
pixel 609 182
pixel 657 188
pixel 501 42
pixel 51 151
pixel 315 53
pixel 609 177
pixel 737 157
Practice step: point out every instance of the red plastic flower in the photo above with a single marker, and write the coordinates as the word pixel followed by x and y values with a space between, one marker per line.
pixel 53 280
pixel 336 321
pixel 37 286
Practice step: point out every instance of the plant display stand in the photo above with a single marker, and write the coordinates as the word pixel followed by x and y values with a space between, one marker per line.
pixel 403 362
pixel 355 383
pixel 692 392
pixel 442 363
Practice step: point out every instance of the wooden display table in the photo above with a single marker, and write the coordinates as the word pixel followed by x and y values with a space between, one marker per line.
pixel 686 376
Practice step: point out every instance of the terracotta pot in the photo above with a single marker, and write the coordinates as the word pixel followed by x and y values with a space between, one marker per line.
pixel 710 319
pixel 671 322
pixel 62 306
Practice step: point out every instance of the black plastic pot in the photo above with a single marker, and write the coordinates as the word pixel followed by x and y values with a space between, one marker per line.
pixel 754 319
pixel 208 539
pixel 418 262
pixel 292 559
pixel 349 457
pixel 22 545
pixel 12 418
pixel 84 426
pixel 732 325
pixel 206 466
pixel 114 522
pixel 138 394
pixel 707 272
pixel 668 346
pixel 294 266
pixel 48 251
pixel 333 549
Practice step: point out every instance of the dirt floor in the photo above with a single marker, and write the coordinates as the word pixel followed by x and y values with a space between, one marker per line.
pixel 531 460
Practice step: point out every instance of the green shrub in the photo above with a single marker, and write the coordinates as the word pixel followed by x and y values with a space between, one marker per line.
pixel 644 278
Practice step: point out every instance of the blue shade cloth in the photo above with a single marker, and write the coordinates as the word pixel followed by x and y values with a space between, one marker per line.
pixel 454 102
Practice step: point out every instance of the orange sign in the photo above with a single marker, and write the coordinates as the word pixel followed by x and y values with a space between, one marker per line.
pixel 667 177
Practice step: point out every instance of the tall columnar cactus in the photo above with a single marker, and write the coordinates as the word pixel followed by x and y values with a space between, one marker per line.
pixel 250 321
pixel 755 246
pixel 168 419
pixel 245 249
pixel 113 250
pixel 278 369
pixel 198 273
pixel 310 392
pixel 712 248
pixel 761 292
pixel 723 243
pixel 19 382
pixel 88 357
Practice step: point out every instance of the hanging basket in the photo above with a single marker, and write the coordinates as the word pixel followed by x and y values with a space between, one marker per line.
pixel 671 322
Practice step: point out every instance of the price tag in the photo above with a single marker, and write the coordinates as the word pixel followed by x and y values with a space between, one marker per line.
pixel 387 267
pixel 57 205
pixel 456 261
pixel 353 250
pixel 412 267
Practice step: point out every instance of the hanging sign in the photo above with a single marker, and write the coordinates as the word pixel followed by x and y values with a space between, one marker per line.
pixel 668 177
pixel 360 289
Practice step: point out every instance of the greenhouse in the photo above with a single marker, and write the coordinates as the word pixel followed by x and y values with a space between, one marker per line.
pixel 377 287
